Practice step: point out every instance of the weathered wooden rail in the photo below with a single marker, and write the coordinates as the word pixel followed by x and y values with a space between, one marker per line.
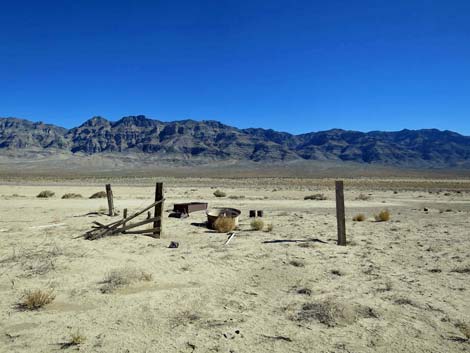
pixel 123 226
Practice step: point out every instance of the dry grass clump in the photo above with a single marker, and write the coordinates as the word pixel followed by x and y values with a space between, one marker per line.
pixel 35 261
pixel 333 314
pixel 257 224
pixel 363 197
pixel 269 227
pixel 297 263
pixel 219 193
pixel 123 277
pixel 462 269
pixel 317 197
pixel 45 194
pixel 36 299
pixel 224 224
pixel 75 339
pixel 383 216
pixel 359 218
pixel 464 328
pixel 71 196
pixel 98 195
pixel 184 318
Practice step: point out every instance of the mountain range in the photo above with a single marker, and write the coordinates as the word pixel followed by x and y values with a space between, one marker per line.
pixel 214 141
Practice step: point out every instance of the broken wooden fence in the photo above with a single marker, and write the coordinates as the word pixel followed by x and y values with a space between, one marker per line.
pixel 123 226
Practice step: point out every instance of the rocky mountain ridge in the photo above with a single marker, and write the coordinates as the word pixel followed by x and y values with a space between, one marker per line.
pixel 212 140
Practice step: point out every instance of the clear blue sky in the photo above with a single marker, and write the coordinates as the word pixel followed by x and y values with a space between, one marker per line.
pixel 294 66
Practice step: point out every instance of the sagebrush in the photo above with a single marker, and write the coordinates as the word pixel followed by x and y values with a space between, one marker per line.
pixel 71 196
pixel 257 224
pixel 98 195
pixel 219 193
pixel 46 194
pixel 359 218
pixel 383 216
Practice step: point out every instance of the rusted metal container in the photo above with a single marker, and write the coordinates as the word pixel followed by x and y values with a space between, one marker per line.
pixel 189 207
pixel 215 213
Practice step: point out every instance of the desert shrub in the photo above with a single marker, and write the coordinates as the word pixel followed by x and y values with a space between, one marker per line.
pixel 224 224
pixel 45 194
pixel 36 299
pixel 296 263
pixel 462 269
pixel 363 197
pixel 383 216
pixel 184 318
pixel 34 261
pixel 219 193
pixel 257 224
pixel 98 195
pixel 333 314
pixel 75 339
pixel 359 218
pixel 405 301
pixel 269 227
pixel 72 196
pixel 236 197
pixel 123 277
pixel 318 197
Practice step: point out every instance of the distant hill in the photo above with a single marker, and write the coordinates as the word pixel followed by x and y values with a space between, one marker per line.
pixel 212 140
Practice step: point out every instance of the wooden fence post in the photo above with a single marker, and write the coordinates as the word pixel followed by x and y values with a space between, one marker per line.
pixel 109 195
pixel 158 210
pixel 124 215
pixel 340 214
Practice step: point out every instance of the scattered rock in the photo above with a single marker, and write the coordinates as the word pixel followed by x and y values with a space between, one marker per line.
pixel 174 245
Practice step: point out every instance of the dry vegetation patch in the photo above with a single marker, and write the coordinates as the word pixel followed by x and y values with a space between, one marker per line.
pixel 219 193
pixel 224 224
pixel 359 218
pixel 124 277
pixel 383 216
pixel 71 196
pixel 363 197
pixel 462 269
pixel 45 194
pixel 75 339
pixel 333 314
pixel 318 197
pixel 36 261
pixel 98 195
pixel 257 224
pixel 36 299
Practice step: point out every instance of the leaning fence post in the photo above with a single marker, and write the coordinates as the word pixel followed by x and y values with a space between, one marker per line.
pixel 158 210
pixel 340 214
pixel 109 195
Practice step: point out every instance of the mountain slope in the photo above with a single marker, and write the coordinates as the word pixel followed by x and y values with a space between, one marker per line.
pixel 212 140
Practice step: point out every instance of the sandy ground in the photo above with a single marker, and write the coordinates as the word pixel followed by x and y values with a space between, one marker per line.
pixel 398 286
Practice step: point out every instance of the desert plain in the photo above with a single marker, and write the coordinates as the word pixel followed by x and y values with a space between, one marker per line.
pixel 398 286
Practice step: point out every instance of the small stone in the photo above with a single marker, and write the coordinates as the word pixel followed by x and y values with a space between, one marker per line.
pixel 174 245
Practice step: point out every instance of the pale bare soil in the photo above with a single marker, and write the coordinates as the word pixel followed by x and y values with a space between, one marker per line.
pixel 398 286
